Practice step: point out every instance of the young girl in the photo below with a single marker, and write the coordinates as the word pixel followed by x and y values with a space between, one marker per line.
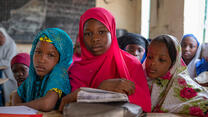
pixel 190 52
pixel 103 64
pixel 20 67
pixel 48 81
pixel 134 44
pixel 172 89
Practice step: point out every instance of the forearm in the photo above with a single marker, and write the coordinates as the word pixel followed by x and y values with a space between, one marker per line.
pixel 38 104
pixel 46 103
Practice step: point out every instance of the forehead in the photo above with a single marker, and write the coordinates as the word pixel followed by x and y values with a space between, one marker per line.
pixel 93 22
pixel 18 65
pixel 45 45
pixel 158 48
pixel 135 46
pixel 189 40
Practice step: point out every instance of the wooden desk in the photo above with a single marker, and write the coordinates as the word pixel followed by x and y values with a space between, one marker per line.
pixel 51 114
pixel 58 114
pixel 166 115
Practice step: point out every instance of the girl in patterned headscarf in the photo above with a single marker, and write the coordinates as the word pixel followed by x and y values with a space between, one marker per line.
pixel 172 89
pixel 48 81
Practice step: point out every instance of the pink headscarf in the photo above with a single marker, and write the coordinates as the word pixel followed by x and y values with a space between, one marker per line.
pixel 22 58
pixel 114 63
pixel 76 57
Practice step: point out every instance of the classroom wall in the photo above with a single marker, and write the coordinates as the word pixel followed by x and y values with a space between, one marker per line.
pixel 167 18
pixel 126 12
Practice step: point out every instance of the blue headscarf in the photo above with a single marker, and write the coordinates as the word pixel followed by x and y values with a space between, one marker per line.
pixel 191 35
pixel 32 88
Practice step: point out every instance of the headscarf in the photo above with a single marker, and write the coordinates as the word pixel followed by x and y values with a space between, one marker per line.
pixel 176 67
pixel 191 65
pixel 132 38
pixel 22 58
pixel 58 78
pixel 7 51
pixel 176 92
pixel 76 57
pixel 114 63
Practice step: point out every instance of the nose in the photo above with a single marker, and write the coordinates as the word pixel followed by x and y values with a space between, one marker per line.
pixel 186 48
pixel 153 62
pixel 95 38
pixel 18 74
pixel 41 58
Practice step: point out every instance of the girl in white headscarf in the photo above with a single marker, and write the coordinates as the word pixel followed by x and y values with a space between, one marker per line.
pixel 7 51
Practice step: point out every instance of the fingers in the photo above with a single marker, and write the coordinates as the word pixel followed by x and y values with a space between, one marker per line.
pixel 128 87
pixel 72 97
pixel 118 85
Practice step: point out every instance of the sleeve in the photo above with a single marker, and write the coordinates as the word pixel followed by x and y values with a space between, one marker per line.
pixel 58 81
pixel 9 53
pixel 58 91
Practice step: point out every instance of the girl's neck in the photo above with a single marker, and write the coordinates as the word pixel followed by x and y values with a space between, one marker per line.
pixel 187 61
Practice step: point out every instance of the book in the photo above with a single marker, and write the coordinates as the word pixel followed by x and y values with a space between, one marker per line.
pixel 98 95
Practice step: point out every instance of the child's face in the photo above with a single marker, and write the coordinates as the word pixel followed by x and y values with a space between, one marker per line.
pixel 45 58
pixel 158 60
pixel 204 51
pixel 135 50
pixel 189 48
pixel 20 72
pixel 97 38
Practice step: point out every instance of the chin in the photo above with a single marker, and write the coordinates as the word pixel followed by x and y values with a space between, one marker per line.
pixel 151 76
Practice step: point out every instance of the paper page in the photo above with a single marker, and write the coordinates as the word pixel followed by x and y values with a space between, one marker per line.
pixel 17 110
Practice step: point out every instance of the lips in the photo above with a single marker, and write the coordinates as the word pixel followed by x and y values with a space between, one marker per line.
pixel 96 48
pixel 40 68
pixel 151 71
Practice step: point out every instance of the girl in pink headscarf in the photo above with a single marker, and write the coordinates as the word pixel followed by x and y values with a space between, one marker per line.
pixel 20 67
pixel 103 64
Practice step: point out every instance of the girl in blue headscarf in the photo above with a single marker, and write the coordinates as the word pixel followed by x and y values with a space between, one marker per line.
pixel 48 81
pixel 190 52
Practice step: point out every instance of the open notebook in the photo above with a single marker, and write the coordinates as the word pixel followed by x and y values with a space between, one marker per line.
pixel 18 111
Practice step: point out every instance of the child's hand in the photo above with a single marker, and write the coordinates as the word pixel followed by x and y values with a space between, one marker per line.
pixel 118 85
pixel 72 97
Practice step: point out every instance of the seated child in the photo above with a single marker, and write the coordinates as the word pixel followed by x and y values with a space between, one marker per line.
pixel 172 89
pixel 103 64
pixel 190 52
pixel 134 44
pixel 48 81
pixel 20 67
pixel 202 66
